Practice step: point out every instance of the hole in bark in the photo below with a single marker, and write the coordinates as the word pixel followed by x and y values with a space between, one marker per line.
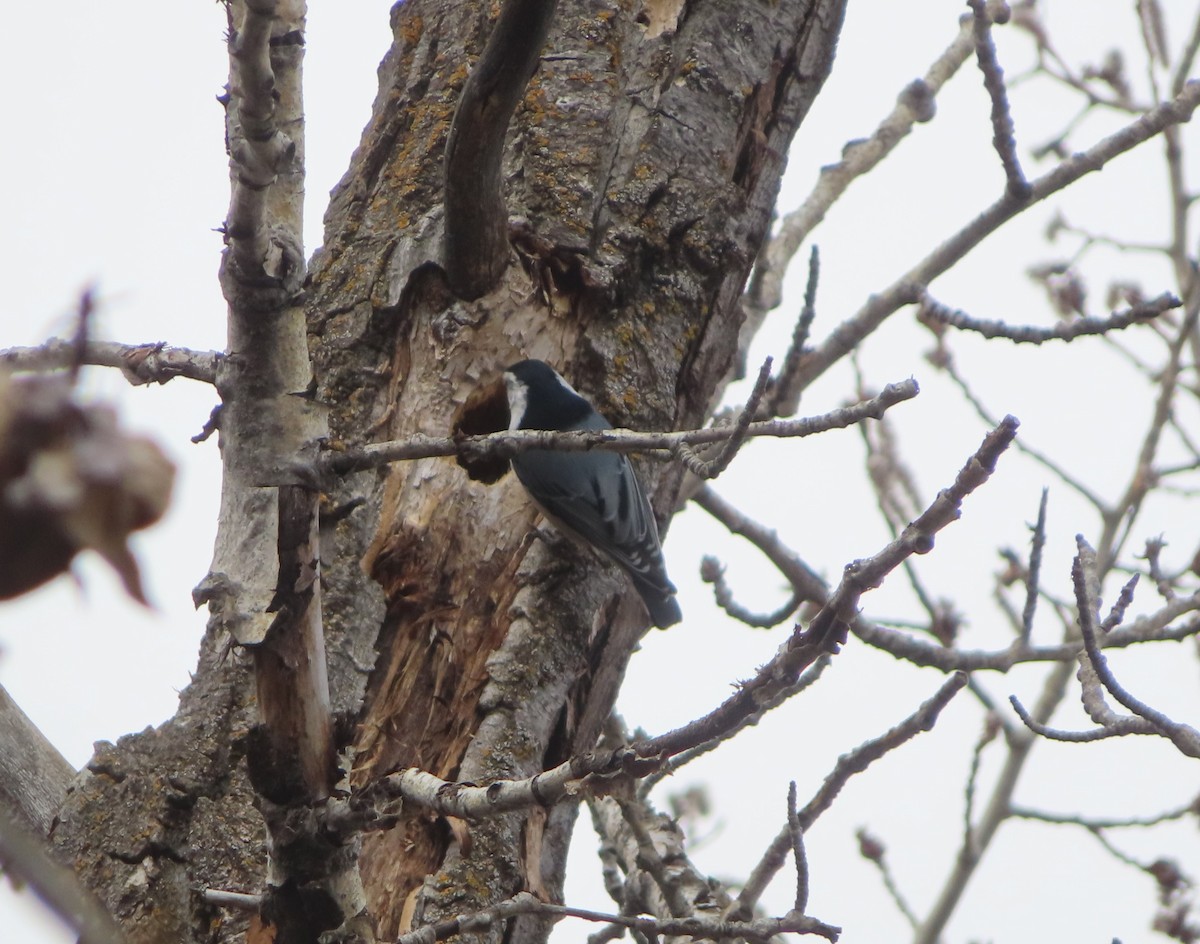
pixel 485 411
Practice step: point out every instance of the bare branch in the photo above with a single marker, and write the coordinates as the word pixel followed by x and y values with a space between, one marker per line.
pixel 991 726
pixel 234 901
pixel 806 584
pixel 933 313
pixel 476 241
pixel 809 586
pixel 1034 571
pixel 828 629
pixel 1003 135
pixel 909 287
pixel 1119 727
pixel 796 833
pixel 1154 548
pixel 695 927
pixel 712 572
pixel 471 801
pixel 1119 521
pixel 140 363
pixel 806 680
pixel 263 587
pixel 785 396
pixel 1117 614
pixel 854 762
pixel 995 811
pixel 1191 808
pixel 944 362
pixel 1183 736
pixel 648 859
pixel 1184 68
pixel 508 443
pixel 915 104
pixel 1154 627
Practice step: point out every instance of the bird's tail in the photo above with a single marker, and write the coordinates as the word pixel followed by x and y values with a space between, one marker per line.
pixel 658 593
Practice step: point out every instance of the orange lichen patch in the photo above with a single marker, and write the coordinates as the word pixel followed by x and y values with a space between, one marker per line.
pixel 410 28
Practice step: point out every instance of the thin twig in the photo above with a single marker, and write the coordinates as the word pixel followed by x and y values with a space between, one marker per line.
pixel 805 582
pixel 1191 808
pixel 796 833
pixel 908 288
pixel 696 927
pixel 873 850
pixel 829 627
pixel 1155 627
pixel 710 468
pixel 1124 599
pixel 713 573
pixel 932 312
pixel 947 365
pixel 1152 555
pixel 854 762
pixel 1035 566
pixel 990 728
pixel 917 103
pixel 1184 68
pixel 1083 572
pixel 1003 133
pixel 785 397
pixel 1118 728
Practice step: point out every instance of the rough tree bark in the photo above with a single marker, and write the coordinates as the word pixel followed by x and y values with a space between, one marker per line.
pixel 642 166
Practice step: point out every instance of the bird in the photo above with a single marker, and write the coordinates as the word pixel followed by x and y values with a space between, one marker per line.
pixel 593 496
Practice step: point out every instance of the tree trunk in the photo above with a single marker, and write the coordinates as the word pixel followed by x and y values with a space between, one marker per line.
pixel 643 166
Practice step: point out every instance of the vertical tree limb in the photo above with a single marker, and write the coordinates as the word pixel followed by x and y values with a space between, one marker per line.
pixel 264 587
pixel 475 254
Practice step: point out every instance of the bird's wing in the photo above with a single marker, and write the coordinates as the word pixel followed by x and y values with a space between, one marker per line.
pixel 605 506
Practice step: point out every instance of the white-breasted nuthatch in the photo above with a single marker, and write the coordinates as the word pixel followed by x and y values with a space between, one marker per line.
pixel 594 496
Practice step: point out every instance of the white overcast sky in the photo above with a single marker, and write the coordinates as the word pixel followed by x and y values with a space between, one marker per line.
pixel 112 174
